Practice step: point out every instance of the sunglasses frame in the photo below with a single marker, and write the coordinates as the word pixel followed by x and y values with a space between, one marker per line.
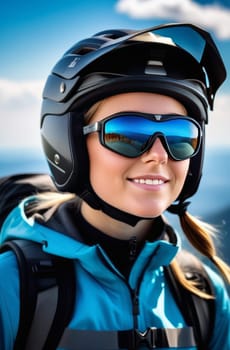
pixel 99 127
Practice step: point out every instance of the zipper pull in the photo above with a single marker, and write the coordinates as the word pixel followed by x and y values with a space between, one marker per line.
pixel 132 248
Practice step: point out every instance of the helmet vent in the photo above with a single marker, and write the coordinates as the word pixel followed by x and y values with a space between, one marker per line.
pixel 155 67
pixel 84 50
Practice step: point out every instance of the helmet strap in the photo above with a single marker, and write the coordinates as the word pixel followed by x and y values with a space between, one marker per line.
pixel 179 209
pixel 92 199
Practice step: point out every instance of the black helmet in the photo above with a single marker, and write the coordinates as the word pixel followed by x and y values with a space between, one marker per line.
pixel 178 60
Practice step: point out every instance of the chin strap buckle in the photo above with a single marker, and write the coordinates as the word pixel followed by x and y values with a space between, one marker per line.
pixel 149 338
pixel 165 338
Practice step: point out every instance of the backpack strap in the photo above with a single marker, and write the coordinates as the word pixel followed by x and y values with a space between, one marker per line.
pixel 47 294
pixel 198 312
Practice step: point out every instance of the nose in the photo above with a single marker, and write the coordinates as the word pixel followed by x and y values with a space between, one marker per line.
pixel 156 153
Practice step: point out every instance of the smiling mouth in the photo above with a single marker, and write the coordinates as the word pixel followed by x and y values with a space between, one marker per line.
pixel 152 182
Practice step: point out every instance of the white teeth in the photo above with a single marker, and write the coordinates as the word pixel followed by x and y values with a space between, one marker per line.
pixel 149 181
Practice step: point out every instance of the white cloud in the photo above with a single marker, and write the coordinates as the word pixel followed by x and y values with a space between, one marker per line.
pixel 213 17
pixel 219 122
pixel 20 104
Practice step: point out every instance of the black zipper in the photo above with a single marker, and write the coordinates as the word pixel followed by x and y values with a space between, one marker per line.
pixel 135 292
pixel 132 249
pixel 136 309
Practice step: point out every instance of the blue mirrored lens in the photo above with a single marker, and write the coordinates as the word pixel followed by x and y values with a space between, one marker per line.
pixel 132 135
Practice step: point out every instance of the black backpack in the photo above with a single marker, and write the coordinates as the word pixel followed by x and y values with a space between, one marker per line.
pixel 47 282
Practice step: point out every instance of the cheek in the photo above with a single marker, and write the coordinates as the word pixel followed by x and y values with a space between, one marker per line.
pixel 105 165
pixel 181 170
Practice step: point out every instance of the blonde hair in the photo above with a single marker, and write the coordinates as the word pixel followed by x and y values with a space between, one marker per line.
pixel 91 111
pixel 200 235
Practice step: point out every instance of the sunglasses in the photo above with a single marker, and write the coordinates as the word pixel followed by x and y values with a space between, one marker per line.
pixel 131 134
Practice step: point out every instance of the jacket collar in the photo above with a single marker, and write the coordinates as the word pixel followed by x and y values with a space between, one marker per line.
pixel 93 258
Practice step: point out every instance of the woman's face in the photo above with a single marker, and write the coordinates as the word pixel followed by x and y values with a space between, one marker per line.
pixel 144 186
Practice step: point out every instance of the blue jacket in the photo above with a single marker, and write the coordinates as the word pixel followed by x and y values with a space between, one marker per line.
pixel 104 296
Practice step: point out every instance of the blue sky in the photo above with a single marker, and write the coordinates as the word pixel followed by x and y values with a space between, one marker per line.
pixel 34 34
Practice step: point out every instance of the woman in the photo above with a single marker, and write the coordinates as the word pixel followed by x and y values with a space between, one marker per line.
pixel 123 123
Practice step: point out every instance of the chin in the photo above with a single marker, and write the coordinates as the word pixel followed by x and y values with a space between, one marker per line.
pixel 151 210
pixel 147 214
